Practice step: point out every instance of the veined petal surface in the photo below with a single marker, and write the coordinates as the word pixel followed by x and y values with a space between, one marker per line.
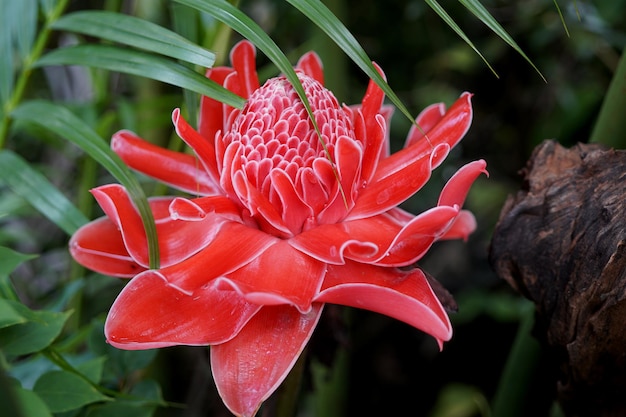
pixel 249 368
pixel 403 295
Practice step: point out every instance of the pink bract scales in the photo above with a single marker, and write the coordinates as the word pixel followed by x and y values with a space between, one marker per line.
pixel 280 224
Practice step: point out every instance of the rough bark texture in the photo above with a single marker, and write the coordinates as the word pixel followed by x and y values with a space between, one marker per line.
pixel 561 242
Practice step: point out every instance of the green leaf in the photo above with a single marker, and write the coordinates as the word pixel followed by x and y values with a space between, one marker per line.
pixel 319 14
pixel 481 13
pixel 31 404
pixel 138 33
pixel 139 63
pixel 41 329
pixel 64 123
pixel 450 22
pixel 9 259
pixel 25 25
pixel 65 391
pixel 149 390
pixel 93 369
pixel 31 185
pixel 121 409
pixel 8 315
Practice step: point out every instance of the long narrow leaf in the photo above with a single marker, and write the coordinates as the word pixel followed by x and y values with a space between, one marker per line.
pixel 35 188
pixel 240 22
pixel 142 64
pixel 319 14
pixel 63 122
pixel 450 22
pixel 139 33
pixel 481 13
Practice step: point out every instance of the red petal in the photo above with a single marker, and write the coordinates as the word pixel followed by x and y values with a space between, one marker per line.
pixel 457 187
pixel 312 66
pixel 295 212
pixel 233 247
pixel 450 130
pixel 243 59
pixel 202 146
pixel 211 118
pixel 179 170
pixel 99 246
pixel 348 157
pixel 198 208
pixel 378 240
pixel 425 121
pixel 402 295
pixel 463 226
pixel 151 313
pixel 249 368
pixel 374 146
pixel 178 239
pixel 397 184
pixel 372 101
pixel 260 207
pixel 280 275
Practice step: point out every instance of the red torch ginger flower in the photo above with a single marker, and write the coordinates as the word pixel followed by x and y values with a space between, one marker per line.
pixel 284 223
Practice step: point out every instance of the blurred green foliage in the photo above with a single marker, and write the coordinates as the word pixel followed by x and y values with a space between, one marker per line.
pixel 383 367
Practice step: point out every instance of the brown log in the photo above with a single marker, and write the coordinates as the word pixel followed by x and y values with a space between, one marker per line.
pixel 561 242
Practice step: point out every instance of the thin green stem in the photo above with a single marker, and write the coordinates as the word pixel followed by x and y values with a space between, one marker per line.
pixel 611 123
pixel 522 362
pixel 24 77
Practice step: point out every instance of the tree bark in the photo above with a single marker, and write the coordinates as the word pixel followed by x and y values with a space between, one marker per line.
pixel 561 242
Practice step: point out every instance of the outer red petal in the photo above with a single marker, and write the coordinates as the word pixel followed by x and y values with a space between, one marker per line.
pixel 178 239
pixel 403 295
pixel 449 130
pixel 249 368
pixel 280 275
pixel 378 240
pixel 242 57
pixel 98 245
pixel 457 187
pixel 424 122
pixel 211 118
pixel 387 191
pixel 233 247
pixel 176 169
pixel 203 147
pixel 312 66
pixel 151 313
pixel 463 226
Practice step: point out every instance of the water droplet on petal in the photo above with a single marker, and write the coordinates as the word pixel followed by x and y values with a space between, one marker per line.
pixel 382 197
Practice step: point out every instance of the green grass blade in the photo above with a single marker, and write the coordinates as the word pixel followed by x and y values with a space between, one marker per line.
pixel 64 123
pixel 138 33
pixel 142 64
pixel 481 13
pixel 35 188
pixel 241 23
pixel 558 9
pixel 319 14
pixel 450 22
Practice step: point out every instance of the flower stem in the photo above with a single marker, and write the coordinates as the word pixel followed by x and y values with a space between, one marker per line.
pixel 28 65
pixel 611 123
pixel 517 376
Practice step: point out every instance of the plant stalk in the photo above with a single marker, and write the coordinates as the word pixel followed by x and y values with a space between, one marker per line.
pixel 610 128
pixel 22 81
